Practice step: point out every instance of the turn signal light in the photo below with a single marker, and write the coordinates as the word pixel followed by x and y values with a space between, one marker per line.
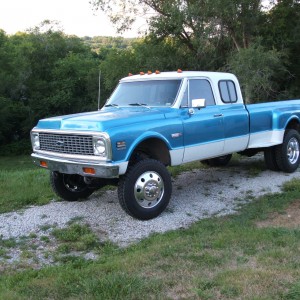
pixel 91 171
pixel 43 164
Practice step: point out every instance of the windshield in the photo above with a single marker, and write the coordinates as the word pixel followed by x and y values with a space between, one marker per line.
pixel 145 93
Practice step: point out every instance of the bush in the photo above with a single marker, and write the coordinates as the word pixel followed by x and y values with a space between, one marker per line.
pixel 22 147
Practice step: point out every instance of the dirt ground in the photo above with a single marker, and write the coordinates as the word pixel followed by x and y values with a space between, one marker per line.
pixel 289 219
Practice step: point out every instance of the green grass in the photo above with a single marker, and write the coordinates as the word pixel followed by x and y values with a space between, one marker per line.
pixel 216 258
pixel 22 184
pixel 76 237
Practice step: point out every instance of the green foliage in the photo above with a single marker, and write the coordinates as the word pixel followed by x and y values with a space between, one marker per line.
pixel 259 44
pixel 43 73
pixel 100 44
pixel 256 68
pixel 15 174
pixel 47 73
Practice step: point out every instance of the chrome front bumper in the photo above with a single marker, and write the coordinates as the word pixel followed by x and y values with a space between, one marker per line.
pixel 72 166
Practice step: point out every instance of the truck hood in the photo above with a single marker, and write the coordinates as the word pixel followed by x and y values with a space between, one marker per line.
pixel 104 119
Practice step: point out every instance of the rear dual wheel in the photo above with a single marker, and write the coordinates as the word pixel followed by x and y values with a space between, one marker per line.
pixel 270 159
pixel 288 153
pixel 284 157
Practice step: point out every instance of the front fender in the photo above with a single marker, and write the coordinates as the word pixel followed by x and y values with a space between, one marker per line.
pixel 145 136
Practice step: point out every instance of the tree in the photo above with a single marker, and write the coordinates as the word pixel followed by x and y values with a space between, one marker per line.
pixel 43 73
pixel 257 68
pixel 282 31
pixel 195 23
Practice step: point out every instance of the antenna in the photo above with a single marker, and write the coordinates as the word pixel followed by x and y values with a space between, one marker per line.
pixel 99 90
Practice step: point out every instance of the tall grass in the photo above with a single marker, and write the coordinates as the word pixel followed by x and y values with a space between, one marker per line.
pixel 22 184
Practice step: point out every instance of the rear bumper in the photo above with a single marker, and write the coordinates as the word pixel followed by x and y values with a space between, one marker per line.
pixel 73 166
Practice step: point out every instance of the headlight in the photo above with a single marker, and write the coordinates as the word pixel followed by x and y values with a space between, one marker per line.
pixel 99 146
pixel 35 141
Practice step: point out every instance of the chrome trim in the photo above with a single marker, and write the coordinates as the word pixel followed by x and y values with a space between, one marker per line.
pixel 77 157
pixel 67 166
pixel 96 134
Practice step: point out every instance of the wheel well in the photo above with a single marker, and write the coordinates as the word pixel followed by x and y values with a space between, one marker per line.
pixel 293 124
pixel 152 148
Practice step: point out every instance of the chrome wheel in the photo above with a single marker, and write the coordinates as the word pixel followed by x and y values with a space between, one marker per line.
pixel 293 150
pixel 149 189
pixel 145 190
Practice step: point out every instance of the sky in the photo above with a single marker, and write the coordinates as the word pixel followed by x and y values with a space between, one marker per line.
pixel 75 17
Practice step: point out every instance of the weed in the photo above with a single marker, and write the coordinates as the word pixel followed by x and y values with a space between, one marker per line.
pixel 45 239
pixel 76 237
pixel 75 220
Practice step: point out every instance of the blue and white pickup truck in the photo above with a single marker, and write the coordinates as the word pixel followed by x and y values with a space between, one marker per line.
pixel 155 120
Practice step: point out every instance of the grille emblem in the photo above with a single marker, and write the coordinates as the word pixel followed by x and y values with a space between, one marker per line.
pixel 60 143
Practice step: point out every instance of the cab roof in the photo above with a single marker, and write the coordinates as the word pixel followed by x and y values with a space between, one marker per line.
pixel 178 75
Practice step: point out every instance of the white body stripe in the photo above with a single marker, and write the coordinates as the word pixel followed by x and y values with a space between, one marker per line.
pixel 219 148
pixel 266 139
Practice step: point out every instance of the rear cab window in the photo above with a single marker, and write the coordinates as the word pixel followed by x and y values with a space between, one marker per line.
pixel 228 91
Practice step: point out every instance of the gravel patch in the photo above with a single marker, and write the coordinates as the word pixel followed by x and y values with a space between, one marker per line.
pixel 196 195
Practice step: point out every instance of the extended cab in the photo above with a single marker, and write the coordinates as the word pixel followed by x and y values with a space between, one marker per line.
pixel 156 120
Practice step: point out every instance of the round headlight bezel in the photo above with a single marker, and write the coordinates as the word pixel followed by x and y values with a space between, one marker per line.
pixel 99 146
pixel 35 140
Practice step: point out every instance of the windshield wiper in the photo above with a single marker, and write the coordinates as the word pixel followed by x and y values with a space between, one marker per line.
pixel 140 104
pixel 112 105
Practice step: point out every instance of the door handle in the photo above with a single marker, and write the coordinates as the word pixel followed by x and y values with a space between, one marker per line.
pixel 218 115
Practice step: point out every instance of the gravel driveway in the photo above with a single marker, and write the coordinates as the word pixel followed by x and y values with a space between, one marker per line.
pixel 197 194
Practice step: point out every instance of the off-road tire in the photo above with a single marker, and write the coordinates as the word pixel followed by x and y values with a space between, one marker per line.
pixel 69 187
pixel 145 190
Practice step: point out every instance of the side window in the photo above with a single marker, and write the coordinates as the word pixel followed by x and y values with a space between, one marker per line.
pixel 201 89
pixel 227 91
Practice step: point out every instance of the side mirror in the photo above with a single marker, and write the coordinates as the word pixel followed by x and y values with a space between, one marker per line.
pixel 198 103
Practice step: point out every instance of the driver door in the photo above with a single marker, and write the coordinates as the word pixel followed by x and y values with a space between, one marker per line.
pixel 203 127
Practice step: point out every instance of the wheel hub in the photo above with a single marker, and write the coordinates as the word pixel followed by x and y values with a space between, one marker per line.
pixel 293 150
pixel 149 189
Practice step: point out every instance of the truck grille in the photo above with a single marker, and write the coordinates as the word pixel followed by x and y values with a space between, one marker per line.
pixel 69 144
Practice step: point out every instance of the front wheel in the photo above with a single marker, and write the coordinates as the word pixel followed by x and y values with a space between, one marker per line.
pixel 70 187
pixel 145 190
pixel 288 153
